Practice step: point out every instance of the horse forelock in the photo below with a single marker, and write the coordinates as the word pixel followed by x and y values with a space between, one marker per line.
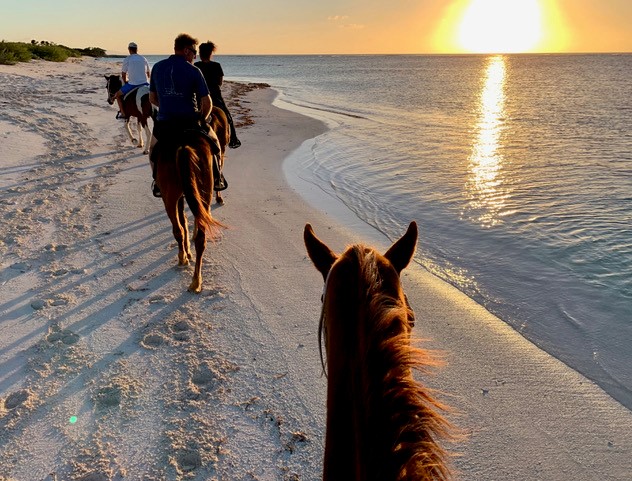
pixel 403 420
pixel 354 298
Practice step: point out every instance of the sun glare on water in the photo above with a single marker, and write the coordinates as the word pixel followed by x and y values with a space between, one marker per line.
pixel 500 26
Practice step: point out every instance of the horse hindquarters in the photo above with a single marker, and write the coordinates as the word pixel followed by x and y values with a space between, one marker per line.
pixel 197 183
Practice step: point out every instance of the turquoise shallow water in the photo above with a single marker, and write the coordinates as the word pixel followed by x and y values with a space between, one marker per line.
pixel 518 169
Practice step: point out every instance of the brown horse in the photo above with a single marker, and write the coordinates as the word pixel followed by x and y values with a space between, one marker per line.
pixel 184 170
pixel 382 425
pixel 219 124
pixel 137 105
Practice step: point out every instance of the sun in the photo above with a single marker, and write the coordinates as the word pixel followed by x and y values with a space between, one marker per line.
pixel 500 26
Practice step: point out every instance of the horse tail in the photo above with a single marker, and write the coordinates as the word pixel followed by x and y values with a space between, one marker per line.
pixel 196 178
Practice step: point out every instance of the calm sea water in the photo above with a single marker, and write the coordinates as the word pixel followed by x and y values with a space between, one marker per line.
pixel 518 169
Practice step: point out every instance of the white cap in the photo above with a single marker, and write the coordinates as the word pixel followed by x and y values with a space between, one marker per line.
pixel 132 45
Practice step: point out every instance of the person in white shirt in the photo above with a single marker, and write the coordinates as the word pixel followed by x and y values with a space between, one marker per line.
pixel 135 72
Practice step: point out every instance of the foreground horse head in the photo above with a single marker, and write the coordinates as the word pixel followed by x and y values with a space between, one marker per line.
pixel 184 170
pixel 136 104
pixel 381 423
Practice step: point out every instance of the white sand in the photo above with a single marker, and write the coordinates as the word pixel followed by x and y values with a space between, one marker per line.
pixel 96 322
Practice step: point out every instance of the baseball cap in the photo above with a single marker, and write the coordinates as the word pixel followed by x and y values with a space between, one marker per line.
pixel 132 45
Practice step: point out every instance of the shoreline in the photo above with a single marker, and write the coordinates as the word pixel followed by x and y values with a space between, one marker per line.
pixel 163 381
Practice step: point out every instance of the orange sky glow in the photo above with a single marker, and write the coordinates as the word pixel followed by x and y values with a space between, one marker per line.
pixel 330 26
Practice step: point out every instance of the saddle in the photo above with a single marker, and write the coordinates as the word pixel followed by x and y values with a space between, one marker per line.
pixel 171 139
pixel 139 92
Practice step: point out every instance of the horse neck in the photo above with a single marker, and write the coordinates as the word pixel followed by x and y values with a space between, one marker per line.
pixel 346 418
pixel 353 448
pixel 381 424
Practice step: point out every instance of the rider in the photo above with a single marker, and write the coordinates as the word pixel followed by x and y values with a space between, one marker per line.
pixel 175 87
pixel 135 72
pixel 214 76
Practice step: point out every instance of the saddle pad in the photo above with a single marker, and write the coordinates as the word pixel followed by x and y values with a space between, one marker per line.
pixel 140 92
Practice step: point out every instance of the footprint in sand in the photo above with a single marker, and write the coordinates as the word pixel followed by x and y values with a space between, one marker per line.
pixel 39 304
pixel 16 399
pixel 20 266
pixel 60 301
pixel 64 336
pixel 204 376
pixel 153 341
pixel 187 461
pixel 95 477
pixel 55 247
pixel 181 331
pixel 108 397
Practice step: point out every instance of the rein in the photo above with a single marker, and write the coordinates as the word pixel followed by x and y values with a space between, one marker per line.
pixel 322 327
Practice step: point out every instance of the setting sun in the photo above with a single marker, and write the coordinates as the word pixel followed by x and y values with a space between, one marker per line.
pixel 501 26
pixel 498 26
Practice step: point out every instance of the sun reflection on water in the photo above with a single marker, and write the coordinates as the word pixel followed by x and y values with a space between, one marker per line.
pixel 484 187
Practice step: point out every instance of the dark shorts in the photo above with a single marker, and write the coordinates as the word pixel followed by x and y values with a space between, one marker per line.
pixel 169 133
pixel 170 129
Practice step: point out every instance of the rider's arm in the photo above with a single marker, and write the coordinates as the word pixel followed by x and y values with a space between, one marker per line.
pixel 124 76
pixel 206 105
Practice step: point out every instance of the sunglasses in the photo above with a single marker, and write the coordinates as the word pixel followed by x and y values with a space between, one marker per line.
pixel 192 50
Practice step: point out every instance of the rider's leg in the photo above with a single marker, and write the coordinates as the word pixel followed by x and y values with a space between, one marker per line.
pixel 154 187
pixel 234 142
pixel 119 100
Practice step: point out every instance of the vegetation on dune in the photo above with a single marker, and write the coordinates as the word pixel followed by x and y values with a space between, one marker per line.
pixel 14 52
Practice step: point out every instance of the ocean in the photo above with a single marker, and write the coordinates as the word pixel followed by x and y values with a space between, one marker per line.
pixel 517 168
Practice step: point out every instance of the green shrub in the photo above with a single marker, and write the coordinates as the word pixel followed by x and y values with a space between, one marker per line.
pixel 92 52
pixel 14 52
pixel 54 53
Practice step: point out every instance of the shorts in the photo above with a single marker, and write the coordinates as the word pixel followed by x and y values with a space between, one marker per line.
pixel 127 88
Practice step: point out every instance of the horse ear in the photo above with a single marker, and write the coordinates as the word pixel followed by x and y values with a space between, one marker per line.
pixel 321 255
pixel 402 251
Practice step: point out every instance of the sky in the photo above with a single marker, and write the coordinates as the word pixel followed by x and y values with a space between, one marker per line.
pixel 253 27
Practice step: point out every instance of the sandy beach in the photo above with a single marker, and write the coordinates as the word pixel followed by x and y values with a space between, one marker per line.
pixel 111 370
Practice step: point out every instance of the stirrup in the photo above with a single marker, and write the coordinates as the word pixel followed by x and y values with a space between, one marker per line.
pixel 234 144
pixel 220 183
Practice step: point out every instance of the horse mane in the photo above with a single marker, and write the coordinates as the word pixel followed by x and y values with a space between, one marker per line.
pixel 403 421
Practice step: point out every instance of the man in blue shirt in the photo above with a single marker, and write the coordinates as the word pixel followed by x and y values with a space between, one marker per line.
pixel 177 88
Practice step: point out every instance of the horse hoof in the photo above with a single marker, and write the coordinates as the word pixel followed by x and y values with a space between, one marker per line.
pixel 134 141
pixel 145 152
pixel 220 201
pixel 195 287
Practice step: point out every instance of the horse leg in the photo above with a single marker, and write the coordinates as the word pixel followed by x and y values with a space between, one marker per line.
pixel 185 229
pixel 172 208
pixel 200 245
pixel 147 137
pixel 139 128
pixel 129 131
